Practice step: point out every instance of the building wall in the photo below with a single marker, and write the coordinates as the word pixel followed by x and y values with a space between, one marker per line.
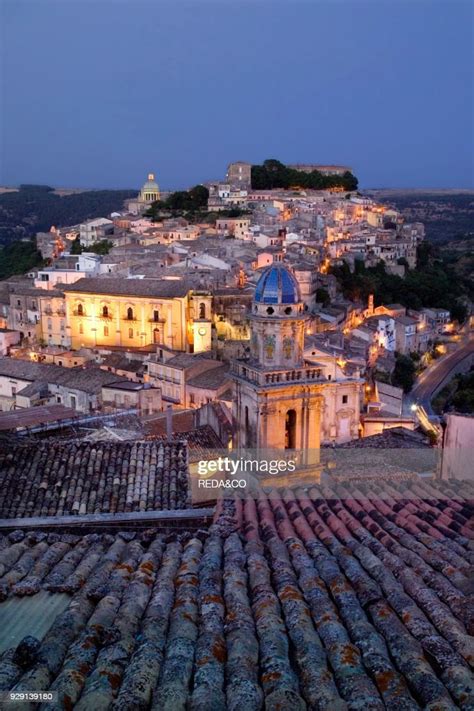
pixel 53 321
pixel 8 338
pixel 458 448
pixel 93 328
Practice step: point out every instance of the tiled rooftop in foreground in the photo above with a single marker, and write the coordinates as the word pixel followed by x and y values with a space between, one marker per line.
pixel 331 597
pixel 68 478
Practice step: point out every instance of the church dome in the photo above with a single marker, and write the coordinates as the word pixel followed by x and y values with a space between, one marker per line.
pixel 151 185
pixel 277 285
pixel 150 190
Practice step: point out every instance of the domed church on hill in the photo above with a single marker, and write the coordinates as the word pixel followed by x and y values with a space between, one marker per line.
pixel 149 193
pixel 281 400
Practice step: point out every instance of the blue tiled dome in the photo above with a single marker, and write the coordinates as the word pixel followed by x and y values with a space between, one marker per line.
pixel 277 285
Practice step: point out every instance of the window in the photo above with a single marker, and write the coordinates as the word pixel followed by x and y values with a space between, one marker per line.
pixel 345 399
pixel 18 302
pixel 105 311
pixel 202 310
pixel 290 429
pixel 13 390
pixel 80 310
pixel 72 400
pixel 81 328
pixel 59 399
pixel 106 330
pixel 156 315
pixel 191 398
pixel 130 332
pixel 130 314
pixel 50 324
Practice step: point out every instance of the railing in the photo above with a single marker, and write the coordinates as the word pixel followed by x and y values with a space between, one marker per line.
pixel 79 313
pixel 278 377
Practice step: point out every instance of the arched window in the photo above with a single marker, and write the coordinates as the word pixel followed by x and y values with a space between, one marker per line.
pixel 105 311
pixel 156 335
pixel 156 315
pixel 290 430
pixel 202 310
pixel 130 313
pixel 80 310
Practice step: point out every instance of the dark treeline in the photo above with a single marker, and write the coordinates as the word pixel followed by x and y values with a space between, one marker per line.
pixel 35 208
pixel 273 174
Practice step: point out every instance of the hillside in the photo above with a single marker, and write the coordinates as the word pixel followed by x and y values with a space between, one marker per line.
pixel 35 208
pixel 447 214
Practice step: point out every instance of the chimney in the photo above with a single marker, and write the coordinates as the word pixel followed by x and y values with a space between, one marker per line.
pixel 169 422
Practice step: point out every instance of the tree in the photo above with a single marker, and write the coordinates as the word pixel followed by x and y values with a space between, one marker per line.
pixel 76 247
pixel 18 258
pixel 403 375
pixel 322 296
pixel 274 174
pixel 459 312
pixel 102 247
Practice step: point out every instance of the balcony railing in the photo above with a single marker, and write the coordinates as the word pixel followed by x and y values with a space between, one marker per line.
pixel 277 377
pixel 79 313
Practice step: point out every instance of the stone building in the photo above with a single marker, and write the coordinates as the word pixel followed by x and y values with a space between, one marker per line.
pixel 149 194
pixel 239 175
pixel 137 312
pixel 281 400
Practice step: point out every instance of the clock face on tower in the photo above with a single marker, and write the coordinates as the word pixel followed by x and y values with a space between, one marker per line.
pixel 202 331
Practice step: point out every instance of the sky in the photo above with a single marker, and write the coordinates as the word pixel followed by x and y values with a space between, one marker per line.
pixel 97 93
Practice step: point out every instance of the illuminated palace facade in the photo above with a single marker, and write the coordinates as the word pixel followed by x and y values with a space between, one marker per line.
pixel 281 401
pixel 133 313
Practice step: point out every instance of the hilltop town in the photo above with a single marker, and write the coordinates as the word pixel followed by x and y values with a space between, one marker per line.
pixel 152 307
pixel 235 452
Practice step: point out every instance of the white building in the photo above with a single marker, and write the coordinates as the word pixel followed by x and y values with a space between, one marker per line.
pixel 94 231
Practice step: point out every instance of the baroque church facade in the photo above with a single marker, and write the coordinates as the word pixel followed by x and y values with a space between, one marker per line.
pixel 281 400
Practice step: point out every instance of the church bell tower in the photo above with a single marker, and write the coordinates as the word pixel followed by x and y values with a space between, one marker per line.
pixel 278 400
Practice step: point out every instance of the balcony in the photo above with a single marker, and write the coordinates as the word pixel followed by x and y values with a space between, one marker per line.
pixel 106 317
pixel 242 370
pixel 156 320
pixel 76 312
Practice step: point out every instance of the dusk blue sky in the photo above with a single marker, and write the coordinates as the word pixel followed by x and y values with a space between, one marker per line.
pixel 97 93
